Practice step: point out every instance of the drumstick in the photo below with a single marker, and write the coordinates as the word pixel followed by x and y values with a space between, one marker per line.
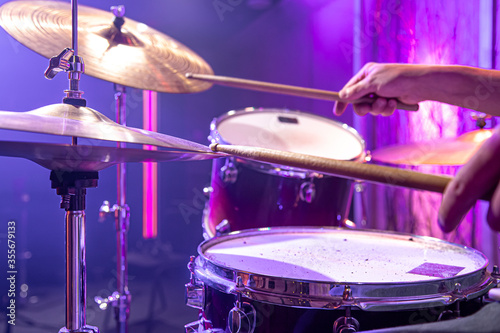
pixel 346 169
pixel 289 90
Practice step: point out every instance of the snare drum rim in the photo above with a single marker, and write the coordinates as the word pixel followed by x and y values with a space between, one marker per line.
pixel 216 137
pixel 316 294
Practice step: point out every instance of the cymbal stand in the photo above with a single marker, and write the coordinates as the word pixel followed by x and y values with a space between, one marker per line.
pixel 121 298
pixel 72 188
pixel 71 185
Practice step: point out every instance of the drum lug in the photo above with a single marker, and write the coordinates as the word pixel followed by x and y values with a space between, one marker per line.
pixel 307 191
pixel 458 295
pixel 346 324
pixel 495 273
pixel 222 228
pixel 229 173
pixel 242 318
pixel 347 296
pixel 195 290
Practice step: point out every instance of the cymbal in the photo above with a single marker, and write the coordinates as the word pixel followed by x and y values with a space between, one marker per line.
pixel 136 56
pixel 84 122
pixel 454 151
pixel 61 157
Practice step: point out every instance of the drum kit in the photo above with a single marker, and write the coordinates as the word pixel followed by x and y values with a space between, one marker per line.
pixel 282 264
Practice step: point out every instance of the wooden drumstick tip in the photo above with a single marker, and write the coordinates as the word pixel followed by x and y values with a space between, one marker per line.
pixel 188 75
pixel 213 147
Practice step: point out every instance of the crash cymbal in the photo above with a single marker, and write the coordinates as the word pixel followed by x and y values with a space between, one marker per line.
pixel 454 151
pixel 84 122
pixel 136 56
pixel 90 158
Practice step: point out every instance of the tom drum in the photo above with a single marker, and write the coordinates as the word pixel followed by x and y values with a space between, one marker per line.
pixel 247 194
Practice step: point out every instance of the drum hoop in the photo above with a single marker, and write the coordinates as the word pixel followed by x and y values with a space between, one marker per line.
pixel 371 296
pixel 276 169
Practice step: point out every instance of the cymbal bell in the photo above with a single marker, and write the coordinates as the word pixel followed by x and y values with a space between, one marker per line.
pixel 59 157
pixel 84 122
pixel 134 55
pixel 454 151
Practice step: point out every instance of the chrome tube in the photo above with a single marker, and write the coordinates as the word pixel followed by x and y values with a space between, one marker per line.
pixel 122 219
pixel 75 270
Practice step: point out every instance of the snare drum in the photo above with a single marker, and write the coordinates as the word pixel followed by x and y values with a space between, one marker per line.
pixel 310 279
pixel 247 194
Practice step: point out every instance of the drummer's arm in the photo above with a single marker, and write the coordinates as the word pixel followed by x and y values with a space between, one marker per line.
pixel 477 177
pixel 469 87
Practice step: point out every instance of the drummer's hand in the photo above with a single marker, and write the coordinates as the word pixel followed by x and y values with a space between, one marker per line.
pixel 476 178
pixel 391 82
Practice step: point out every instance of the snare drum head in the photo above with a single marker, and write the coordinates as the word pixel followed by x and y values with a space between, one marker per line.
pixel 287 130
pixel 376 265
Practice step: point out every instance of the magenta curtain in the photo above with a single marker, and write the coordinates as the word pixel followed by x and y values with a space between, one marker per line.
pixel 429 32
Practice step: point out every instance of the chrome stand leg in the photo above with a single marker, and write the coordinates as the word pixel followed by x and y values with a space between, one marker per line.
pixel 72 188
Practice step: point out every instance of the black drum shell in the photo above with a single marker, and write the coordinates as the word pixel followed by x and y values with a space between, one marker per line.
pixel 273 318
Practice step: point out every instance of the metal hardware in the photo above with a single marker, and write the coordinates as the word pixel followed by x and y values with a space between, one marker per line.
pixel 119 13
pixel 242 318
pixel 195 290
pixel 104 302
pixel 115 210
pixel 67 61
pixel 201 326
pixel 59 63
pixel 455 313
pixel 104 210
pixel 120 299
pixel 208 190
pixel 368 156
pixel 495 273
pixel 229 173
pixel 307 191
pixel 359 187
pixel 72 187
pixel 450 314
pixel 76 69
pixel 346 324
pixel 480 118
pixel 347 295
pixel 222 228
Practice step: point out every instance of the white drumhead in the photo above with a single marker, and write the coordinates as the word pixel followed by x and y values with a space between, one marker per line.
pixel 345 256
pixel 291 131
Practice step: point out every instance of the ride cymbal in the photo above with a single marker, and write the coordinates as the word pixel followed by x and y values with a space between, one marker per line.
pixel 134 55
